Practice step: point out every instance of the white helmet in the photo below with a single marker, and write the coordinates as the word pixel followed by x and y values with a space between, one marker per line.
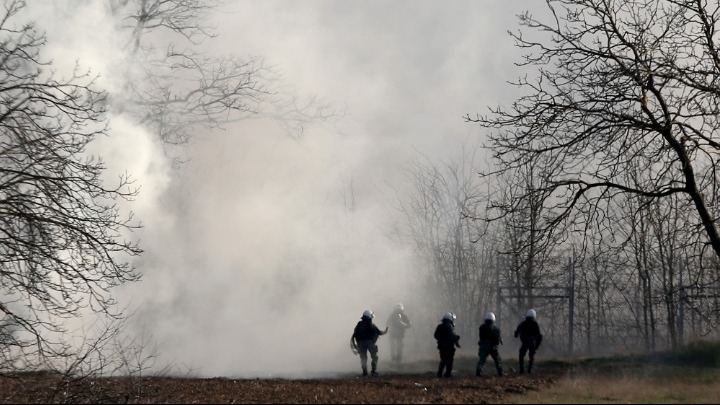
pixel 490 317
pixel 449 316
pixel 368 314
pixel 399 307
pixel 530 313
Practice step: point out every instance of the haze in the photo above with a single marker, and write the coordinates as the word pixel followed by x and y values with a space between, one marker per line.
pixel 263 249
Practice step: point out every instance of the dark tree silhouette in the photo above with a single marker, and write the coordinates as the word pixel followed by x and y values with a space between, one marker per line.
pixel 63 243
pixel 620 84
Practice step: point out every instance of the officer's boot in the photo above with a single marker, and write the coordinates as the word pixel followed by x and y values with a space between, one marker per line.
pixel 530 364
pixel 440 370
pixel 448 369
pixel 522 365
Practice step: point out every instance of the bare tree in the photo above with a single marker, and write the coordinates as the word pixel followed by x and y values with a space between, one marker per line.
pixel 632 82
pixel 179 91
pixel 63 240
pixel 437 219
pixel 108 366
pixel 636 249
pixel 520 202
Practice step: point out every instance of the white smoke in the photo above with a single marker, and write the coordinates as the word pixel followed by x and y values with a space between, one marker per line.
pixel 268 266
pixel 262 251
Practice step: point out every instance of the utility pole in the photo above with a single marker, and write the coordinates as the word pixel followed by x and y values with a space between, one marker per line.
pixel 571 303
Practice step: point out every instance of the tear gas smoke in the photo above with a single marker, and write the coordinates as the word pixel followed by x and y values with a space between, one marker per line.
pixel 262 251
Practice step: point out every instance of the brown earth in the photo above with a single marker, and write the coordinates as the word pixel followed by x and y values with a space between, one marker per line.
pixel 408 387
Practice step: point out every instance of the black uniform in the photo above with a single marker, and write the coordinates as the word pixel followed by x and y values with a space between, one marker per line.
pixel 530 336
pixel 489 341
pixel 365 337
pixel 447 340
pixel 397 322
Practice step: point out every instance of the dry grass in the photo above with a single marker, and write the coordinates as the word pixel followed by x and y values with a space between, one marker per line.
pixel 619 389
pixel 652 384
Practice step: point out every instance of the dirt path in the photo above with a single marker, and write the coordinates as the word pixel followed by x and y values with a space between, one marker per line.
pixel 392 388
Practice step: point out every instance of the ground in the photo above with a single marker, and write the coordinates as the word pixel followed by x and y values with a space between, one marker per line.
pixel 690 375
pixel 407 387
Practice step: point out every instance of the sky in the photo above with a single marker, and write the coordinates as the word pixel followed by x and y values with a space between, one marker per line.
pixel 254 262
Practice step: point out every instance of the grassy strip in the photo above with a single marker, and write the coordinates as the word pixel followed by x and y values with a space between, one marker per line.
pixel 688 375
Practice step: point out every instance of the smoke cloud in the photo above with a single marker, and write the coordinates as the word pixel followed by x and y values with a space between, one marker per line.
pixel 262 250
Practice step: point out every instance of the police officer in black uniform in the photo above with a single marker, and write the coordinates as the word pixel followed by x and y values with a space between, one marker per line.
pixel 489 341
pixel 364 340
pixel 529 333
pixel 447 341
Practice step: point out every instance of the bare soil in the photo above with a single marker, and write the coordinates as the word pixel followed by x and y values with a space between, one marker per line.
pixel 406 387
